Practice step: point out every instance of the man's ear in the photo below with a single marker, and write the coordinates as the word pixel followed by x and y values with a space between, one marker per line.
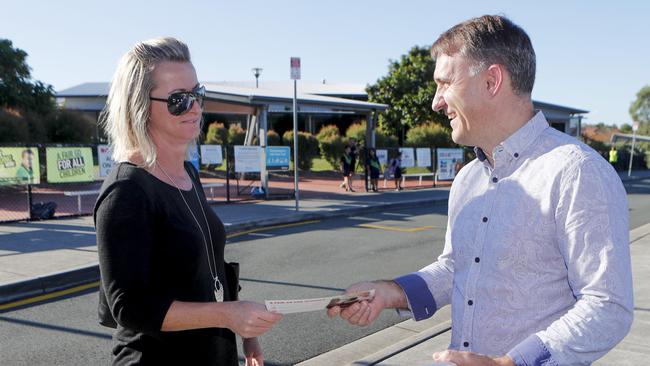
pixel 495 77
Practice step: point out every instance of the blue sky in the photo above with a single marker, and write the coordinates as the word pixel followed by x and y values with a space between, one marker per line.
pixel 592 55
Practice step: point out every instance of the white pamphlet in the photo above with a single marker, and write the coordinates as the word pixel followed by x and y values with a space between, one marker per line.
pixel 322 303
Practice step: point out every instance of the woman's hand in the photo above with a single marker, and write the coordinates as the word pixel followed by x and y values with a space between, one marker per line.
pixel 253 352
pixel 249 319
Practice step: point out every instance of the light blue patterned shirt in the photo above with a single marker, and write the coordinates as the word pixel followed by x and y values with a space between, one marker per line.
pixel 536 262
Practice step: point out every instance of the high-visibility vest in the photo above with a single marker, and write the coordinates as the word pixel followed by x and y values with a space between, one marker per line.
pixel 613 156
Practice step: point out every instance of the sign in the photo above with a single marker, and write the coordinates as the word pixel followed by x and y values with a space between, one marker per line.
pixel 408 160
pixel 106 162
pixel 423 155
pixel 278 157
pixel 248 159
pixel 382 155
pixel 19 165
pixel 69 164
pixel 635 126
pixel 449 163
pixel 211 154
pixel 295 68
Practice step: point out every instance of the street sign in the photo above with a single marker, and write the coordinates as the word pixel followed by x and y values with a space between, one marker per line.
pixel 635 126
pixel 295 68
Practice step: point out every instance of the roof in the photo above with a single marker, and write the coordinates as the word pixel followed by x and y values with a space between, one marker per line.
pixel 246 95
pixel 308 87
pixel 570 110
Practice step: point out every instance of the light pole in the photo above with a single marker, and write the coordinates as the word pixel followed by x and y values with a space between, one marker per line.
pixel 257 71
pixel 635 127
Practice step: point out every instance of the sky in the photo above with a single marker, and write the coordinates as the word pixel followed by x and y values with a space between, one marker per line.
pixel 591 55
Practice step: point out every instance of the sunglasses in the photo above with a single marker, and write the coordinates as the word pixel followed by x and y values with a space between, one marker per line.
pixel 181 102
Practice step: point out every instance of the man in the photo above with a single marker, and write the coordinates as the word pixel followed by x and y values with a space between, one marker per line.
pixel 613 156
pixel 25 172
pixel 536 263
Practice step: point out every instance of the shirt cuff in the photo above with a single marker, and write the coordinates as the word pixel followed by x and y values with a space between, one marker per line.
pixel 532 352
pixel 420 299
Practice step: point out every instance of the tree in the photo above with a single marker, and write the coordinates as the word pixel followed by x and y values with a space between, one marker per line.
pixel 408 90
pixel 17 90
pixel 640 112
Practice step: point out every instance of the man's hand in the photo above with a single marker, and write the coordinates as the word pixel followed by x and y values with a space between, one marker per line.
pixel 472 359
pixel 387 294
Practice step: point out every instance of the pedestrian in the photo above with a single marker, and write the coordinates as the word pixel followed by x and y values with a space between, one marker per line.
pixel 613 156
pixel 395 169
pixel 354 152
pixel 374 166
pixel 536 262
pixel 164 280
pixel 346 169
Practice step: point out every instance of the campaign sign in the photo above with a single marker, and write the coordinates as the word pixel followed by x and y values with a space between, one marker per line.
pixel 408 160
pixel 211 154
pixel 278 157
pixel 106 162
pixel 449 162
pixel 19 165
pixel 69 164
pixel 423 155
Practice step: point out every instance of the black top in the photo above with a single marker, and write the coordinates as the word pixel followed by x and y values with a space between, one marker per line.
pixel 150 254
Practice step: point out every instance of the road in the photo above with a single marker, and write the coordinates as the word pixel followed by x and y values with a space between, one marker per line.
pixel 309 260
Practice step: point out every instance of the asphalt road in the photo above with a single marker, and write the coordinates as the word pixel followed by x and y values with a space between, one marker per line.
pixel 310 260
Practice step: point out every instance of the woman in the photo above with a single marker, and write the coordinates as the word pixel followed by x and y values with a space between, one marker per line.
pixel 375 168
pixel 161 247
pixel 396 170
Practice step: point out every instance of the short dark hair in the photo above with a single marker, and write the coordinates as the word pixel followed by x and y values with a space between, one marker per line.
pixel 488 40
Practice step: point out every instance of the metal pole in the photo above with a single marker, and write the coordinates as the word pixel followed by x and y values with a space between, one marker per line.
pixel 295 144
pixel 29 202
pixel 227 174
pixel 629 171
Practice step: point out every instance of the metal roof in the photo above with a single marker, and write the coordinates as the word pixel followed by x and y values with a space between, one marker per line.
pixel 570 110
pixel 242 95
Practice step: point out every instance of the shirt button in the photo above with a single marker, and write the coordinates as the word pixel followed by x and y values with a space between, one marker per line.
pixel 470 303
pixel 485 219
pixel 466 344
pixel 495 179
pixel 477 259
pixel 516 155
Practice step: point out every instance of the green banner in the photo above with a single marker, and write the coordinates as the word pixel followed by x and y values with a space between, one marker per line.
pixel 69 164
pixel 19 165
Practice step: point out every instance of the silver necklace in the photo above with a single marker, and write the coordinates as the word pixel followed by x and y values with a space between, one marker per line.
pixel 218 287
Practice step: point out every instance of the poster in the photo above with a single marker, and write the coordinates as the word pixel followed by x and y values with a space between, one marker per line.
pixel 105 156
pixel 449 162
pixel 248 159
pixel 69 164
pixel 278 157
pixel 382 155
pixel 408 160
pixel 423 155
pixel 19 165
pixel 211 154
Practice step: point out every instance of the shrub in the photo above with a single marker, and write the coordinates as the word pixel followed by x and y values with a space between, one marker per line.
pixel 65 126
pixel 307 148
pixel 236 135
pixel 430 135
pixel 382 139
pixel 357 130
pixel 331 144
pixel 217 134
pixel 273 139
pixel 13 127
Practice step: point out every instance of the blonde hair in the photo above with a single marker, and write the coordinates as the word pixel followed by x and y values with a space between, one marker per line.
pixel 126 113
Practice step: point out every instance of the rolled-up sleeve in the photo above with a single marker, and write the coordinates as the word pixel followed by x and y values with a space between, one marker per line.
pixel 125 241
pixel 592 232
